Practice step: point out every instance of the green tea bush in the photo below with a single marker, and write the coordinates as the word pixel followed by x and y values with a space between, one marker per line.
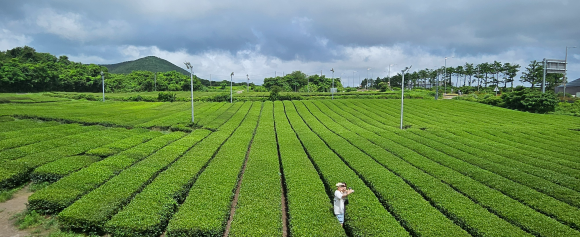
pixel 209 200
pixel 306 193
pixel 150 211
pixel 88 213
pixel 64 192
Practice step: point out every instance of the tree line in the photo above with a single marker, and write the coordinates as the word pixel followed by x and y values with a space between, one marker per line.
pixel 22 69
pixel 298 81
pixel 470 76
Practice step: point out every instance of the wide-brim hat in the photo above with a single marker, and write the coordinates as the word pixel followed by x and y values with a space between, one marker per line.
pixel 340 185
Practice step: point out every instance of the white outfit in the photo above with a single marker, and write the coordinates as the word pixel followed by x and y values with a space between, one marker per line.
pixel 338 202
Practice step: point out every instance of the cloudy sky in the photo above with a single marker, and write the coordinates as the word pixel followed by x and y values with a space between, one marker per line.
pixel 260 38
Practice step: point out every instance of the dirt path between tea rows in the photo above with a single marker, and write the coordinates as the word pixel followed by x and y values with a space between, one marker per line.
pixel 11 207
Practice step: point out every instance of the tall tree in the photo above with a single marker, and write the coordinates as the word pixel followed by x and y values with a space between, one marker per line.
pixel 469 70
pixel 533 74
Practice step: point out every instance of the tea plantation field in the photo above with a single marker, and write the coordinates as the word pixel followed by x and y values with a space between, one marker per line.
pixel 269 168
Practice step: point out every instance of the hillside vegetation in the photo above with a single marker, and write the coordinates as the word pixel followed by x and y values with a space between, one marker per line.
pixel 149 63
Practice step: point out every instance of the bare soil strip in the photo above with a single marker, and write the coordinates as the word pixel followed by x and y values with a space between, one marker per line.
pixel 283 188
pixel 239 185
pixel 11 207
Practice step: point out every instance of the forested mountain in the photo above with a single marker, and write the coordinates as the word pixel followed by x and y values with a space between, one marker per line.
pixel 22 69
pixel 149 63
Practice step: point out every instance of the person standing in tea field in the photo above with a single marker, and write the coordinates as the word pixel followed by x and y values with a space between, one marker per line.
pixel 340 196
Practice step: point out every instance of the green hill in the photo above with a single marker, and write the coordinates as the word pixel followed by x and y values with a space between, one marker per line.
pixel 149 63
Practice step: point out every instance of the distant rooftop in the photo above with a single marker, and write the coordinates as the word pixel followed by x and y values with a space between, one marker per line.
pixel 572 83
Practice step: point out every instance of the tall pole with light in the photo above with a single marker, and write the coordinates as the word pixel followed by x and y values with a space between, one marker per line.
pixel 353 78
pixel 403 90
pixel 332 89
pixel 103 79
pixel 437 84
pixel 248 83
pixel 367 84
pixel 188 65
pixel 231 90
pixel 565 71
pixel 445 75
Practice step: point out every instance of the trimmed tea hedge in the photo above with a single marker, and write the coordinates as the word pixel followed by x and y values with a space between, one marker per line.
pixel 465 212
pixel 148 213
pixel 64 192
pixel 309 208
pixel 58 169
pixel 408 206
pixel 207 206
pixel 11 177
pixel 365 215
pixel 258 211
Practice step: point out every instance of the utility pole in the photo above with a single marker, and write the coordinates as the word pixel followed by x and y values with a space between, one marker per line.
pixel 403 90
pixel 209 80
pixel 367 84
pixel 565 71
pixel 445 75
pixel 248 84
pixel 437 84
pixel 544 77
pixel 231 90
pixel 191 84
pixel 103 79
pixel 353 78
pixel 332 89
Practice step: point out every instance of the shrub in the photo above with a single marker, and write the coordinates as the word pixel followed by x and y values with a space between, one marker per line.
pixel 530 100
pixel 274 93
pixel 166 97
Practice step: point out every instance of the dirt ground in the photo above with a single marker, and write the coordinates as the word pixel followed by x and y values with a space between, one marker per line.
pixel 7 209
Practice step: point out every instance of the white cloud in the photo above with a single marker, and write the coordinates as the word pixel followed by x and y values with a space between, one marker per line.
pixel 88 59
pixel 74 26
pixel 258 66
pixel 9 40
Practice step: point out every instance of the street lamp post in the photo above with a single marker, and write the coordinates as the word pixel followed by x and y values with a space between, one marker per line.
pixel 445 75
pixel 231 91
pixel 367 84
pixel 103 79
pixel 403 90
pixel 353 78
pixel 332 89
pixel 248 83
pixel 565 71
pixel 191 84
pixel 437 84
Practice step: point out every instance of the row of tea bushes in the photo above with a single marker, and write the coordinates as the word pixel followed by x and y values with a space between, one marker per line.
pixel 149 212
pixel 66 191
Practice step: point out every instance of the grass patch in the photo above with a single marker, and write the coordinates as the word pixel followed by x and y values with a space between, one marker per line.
pixel 6 195
pixel 40 225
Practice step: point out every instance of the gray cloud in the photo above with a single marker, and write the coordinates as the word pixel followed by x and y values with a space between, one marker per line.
pixel 298 33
